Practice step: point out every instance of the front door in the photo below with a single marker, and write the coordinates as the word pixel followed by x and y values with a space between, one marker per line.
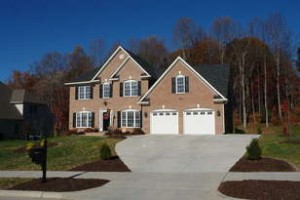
pixel 106 120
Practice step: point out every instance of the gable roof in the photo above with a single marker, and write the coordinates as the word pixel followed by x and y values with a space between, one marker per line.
pixel 124 62
pixel 23 96
pixel 92 75
pixel 205 74
pixel 7 110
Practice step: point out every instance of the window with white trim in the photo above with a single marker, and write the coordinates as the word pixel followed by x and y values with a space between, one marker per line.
pixel 84 92
pixel 106 90
pixel 130 119
pixel 180 84
pixel 130 88
pixel 84 119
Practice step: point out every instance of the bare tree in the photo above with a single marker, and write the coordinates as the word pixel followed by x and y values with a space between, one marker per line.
pixel 257 29
pixel 97 52
pixel 278 36
pixel 185 32
pixel 224 30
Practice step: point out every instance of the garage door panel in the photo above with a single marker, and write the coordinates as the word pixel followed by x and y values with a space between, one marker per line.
pixel 199 122
pixel 164 122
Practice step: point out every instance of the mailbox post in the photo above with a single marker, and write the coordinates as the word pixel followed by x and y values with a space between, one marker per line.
pixel 38 155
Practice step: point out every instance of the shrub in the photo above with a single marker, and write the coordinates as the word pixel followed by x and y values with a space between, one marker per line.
pixel 253 150
pixel 138 131
pixel 105 152
pixel 91 130
pixel 72 132
pixel 259 131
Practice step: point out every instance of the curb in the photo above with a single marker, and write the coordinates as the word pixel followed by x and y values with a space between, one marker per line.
pixel 33 194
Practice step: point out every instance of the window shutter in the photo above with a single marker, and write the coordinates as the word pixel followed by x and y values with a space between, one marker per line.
pixel 92 90
pixel 76 92
pixel 111 90
pixel 74 120
pixel 187 84
pixel 100 90
pixel 173 85
pixel 139 88
pixel 93 119
pixel 121 89
pixel 119 119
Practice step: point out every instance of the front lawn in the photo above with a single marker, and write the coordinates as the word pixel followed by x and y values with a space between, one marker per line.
pixel 70 151
pixel 282 147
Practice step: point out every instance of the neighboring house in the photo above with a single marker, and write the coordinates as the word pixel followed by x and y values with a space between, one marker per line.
pixel 126 93
pixel 22 114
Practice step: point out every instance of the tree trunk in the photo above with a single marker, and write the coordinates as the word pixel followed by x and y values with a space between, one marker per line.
pixel 258 96
pixel 252 101
pixel 265 92
pixel 278 85
pixel 242 72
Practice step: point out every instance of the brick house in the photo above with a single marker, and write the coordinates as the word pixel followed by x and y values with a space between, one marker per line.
pixel 125 92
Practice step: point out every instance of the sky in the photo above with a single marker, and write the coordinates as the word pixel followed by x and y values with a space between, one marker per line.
pixel 30 29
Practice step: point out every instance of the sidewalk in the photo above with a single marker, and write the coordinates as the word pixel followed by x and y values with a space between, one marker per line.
pixel 272 176
pixel 146 186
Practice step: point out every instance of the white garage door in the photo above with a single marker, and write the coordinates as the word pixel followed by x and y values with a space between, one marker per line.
pixel 164 122
pixel 200 121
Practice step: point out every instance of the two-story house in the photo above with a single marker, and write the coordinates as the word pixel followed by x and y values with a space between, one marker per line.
pixel 125 92
pixel 23 114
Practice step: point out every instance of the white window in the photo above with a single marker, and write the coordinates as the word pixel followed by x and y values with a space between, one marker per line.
pixel 106 90
pixel 84 119
pixel 130 88
pixel 130 119
pixel 180 84
pixel 84 92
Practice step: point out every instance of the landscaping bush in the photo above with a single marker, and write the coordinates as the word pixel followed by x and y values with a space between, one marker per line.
pixel 253 150
pixel 105 152
pixel 72 132
pixel 259 131
pixel 138 131
pixel 91 130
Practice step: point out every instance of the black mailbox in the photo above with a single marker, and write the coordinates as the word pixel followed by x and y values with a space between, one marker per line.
pixel 37 155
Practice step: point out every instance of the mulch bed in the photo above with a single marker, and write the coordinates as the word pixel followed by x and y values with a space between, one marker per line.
pixel 23 149
pixel 262 165
pixel 60 184
pixel 114 164
pixel 264 190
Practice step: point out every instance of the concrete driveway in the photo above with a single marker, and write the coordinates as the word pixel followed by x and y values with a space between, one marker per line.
pixel 182 153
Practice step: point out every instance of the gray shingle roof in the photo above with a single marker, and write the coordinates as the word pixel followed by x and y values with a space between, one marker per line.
pixel 216 75
pixel 23 96
pixel 151 70
pixel 7 110
pixel 86 76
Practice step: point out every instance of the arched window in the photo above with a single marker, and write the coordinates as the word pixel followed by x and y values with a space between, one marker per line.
pixel 131 118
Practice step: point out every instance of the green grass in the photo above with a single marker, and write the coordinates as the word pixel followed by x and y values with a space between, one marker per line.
pixel 6 183
pixel 273 145
pixel 71 151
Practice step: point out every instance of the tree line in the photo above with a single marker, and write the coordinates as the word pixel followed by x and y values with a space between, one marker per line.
pixel 260 54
